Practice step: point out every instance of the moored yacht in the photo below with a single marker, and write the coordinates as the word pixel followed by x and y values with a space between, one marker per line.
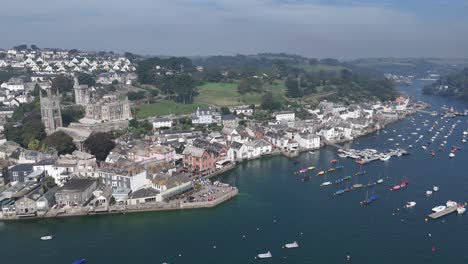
pixel 264 255
pixel 292 245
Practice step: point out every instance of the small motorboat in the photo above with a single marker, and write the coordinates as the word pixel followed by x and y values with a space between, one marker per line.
pixel 325 183
pixel 439 208
pixel 320 173
pixel 292 245
pixel 331 170
pixel 339 181
pixel 428 193
pixel 396 188
pixel 312 152
pixel 404 183
pixel 46 237
pixel 341 191
pixel 311 168
pixel 435 188
pixel 410 204
pixel 347 178
pixel 451 203
pixel 451 155
pixel 264 255
pixel 357 185
pixel 79 261
pixel 333 161
pixel 380 181
pixel 461 209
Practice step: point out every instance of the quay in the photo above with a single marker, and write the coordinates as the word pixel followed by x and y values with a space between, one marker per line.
pixel 444 212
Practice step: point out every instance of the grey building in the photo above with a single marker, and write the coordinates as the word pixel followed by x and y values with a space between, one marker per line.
pixel 76 192
pixel 18 172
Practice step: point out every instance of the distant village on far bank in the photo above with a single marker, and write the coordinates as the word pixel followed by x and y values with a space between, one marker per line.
pixel 156 162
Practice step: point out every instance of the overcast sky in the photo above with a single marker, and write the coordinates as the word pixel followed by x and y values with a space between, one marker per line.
pixel 332 28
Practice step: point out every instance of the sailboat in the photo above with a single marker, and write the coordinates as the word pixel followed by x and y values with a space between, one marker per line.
pixel 325 183
pixel 320 173
pixel 347 189
pixel 340 191
pixel 369 200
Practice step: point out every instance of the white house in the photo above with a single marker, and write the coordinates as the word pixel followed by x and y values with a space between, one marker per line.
pixel 245 110
pixel 203 116
pixel 308 141
pixel 14 84
pixel 285 116
pixel 162 122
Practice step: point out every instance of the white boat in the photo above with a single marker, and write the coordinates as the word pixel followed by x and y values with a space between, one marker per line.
pixel 380 181
pixel 461 209
pixel 325 183
pixel 292 245
pixel 312 152
pixel 428 193
pixel 390 139
pixel 385 158
pixel 410 204
pixel 439 208
pixel 451 203
pixel 435 188
pixel 424 147
pixel 451 155
pixel 357 185
pixel 46 238
pixel 264 255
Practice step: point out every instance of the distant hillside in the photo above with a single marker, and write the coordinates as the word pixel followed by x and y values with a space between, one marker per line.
pixel 450 85
pixel 418 67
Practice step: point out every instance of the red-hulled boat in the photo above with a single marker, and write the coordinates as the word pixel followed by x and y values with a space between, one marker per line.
pixel 404 183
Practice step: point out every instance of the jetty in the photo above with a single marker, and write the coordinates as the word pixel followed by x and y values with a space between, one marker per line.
pixel 444 212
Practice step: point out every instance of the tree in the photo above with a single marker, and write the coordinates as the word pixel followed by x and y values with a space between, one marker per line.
pixel 135 96
pixel 292 86
pixel 225 110
pixel 86 79
pixel 243 86
pixel 99 144
pixel 269 103
pixel 70 115
pixel 115 82
pixel 49 183
pixel 61 142
pixel 37 90
pixel 34 47
pixel 61 84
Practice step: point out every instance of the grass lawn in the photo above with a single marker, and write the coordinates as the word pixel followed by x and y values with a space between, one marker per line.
pixel 166 108
pixel 226 94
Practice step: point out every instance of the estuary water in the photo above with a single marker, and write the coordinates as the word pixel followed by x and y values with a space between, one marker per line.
pixel 275 207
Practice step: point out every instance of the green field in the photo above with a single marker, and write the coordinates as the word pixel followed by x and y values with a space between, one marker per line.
pixel 166 108
pixel 226 94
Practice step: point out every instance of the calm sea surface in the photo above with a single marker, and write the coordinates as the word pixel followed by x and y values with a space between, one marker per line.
pixel 274 207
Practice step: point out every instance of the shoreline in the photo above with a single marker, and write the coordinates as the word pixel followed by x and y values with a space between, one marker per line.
pixel 181 205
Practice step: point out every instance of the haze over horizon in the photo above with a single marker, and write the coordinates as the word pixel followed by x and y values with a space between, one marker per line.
pixel 328 28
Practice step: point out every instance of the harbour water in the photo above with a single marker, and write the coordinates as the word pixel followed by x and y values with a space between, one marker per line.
pixel 275 207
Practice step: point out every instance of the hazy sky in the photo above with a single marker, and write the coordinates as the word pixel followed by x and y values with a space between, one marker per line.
pixel 341 29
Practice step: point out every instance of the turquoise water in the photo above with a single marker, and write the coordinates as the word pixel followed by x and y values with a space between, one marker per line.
pixel 275 207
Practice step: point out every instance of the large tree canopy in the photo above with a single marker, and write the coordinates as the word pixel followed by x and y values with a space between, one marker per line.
pixel 99 144
pixel 62 84
pixel 61 142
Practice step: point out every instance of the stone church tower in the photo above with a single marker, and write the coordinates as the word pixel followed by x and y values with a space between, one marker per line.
pixel 50 112
pixel 81 93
